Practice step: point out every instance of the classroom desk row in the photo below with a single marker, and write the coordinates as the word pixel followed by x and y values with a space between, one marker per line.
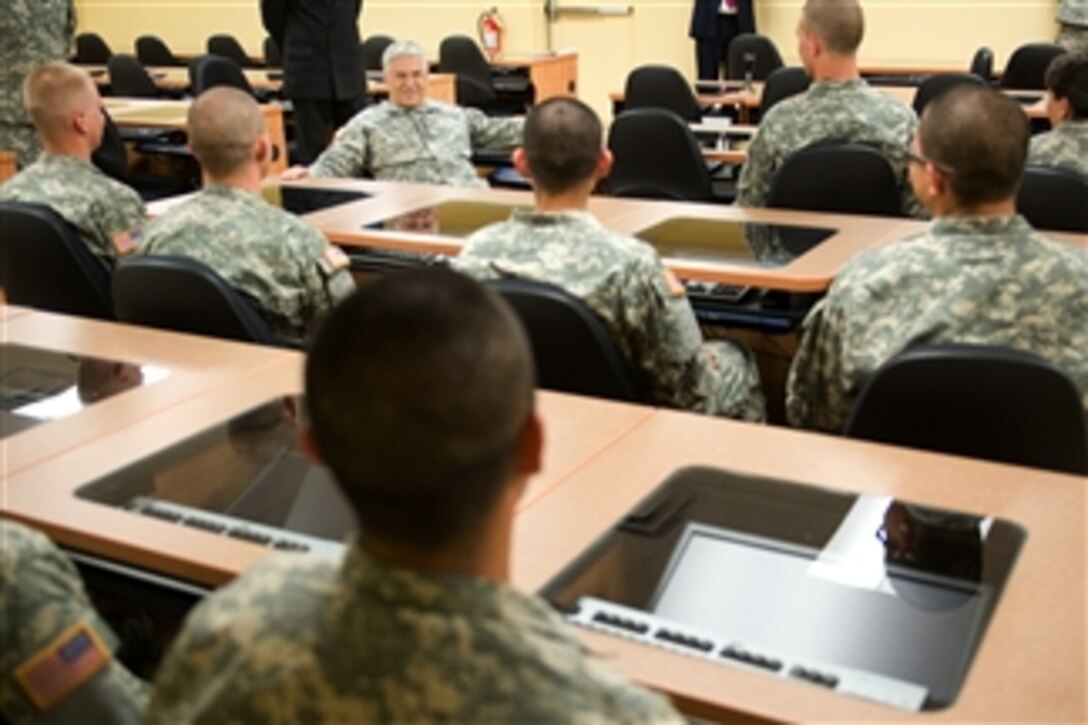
pixel 601 458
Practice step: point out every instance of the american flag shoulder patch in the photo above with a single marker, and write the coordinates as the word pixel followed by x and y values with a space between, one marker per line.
pixel 63 665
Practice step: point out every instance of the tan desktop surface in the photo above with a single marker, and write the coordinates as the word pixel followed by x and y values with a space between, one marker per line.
pixel 1031 663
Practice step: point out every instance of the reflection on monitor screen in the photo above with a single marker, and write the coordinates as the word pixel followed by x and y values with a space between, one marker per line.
pixel 306 199
pixel 721 241
pixel 37 386
pixel 864 595
pixel 244 478
pixel 448 219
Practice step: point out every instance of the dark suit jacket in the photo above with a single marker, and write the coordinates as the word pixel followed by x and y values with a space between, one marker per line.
pixel 319 42
pixel 704 18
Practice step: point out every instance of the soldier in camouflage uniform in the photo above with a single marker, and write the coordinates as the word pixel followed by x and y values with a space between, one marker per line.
pixel 284 266
pixel 620 278
pixel 1066 146
pixel 979 275
pixel 420 395
pixel 1073 19
pixel 64 103
pixel 32 32
pixel 409 138
pixel 838 106
pixel 46 618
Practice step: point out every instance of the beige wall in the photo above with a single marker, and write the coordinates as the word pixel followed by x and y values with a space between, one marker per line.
pixel 925 32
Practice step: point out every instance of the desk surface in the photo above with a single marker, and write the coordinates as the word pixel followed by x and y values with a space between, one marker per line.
pixel 1031 663
pixel 602 458
pixel 210 381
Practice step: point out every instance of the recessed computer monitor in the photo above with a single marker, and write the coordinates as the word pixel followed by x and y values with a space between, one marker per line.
pixel 448 218
pixel 864 595
pixel 39 385
pixel 244 478
pixel 724 241
pixel 307 199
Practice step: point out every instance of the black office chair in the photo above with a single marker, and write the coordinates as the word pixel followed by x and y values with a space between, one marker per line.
pixel 755 51
pixel 208 71
pixel 129 78
pixel 92 49
pixel 1054 198
pixel 573 350
pixel 848 178
pixel 273 58
pixel 1027 65
pixel 935 85
pixel 185 295
pixel 152 50
pixel 780 84
pixel 459 54
pixel 371 51
pixel 111 157
pixel 986 402
pixel 982 64
pixel 47 266
pixel 656 156
pixel 660 86
pixel 228 46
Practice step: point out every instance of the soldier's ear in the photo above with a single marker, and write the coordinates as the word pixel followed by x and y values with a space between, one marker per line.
pixel 521 162
pixel 604 164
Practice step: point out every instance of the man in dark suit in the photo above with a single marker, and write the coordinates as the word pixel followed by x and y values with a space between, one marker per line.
pixel 322 74
pixel 714 24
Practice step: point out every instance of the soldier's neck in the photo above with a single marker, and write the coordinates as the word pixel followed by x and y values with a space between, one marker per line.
pixel 573 200
pixel 67 147
pixel 249 179
pixel 1003 208
pixel 837 68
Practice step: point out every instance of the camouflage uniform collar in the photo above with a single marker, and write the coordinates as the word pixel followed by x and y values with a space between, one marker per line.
pixel 1074 126
pixel 454 595
pixel 534 218
pixel 820 88
pixel 997 225
pixel 65 160
pixel 230 192
pixel 428 106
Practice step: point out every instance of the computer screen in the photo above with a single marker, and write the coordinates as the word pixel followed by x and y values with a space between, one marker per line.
pixel 865 595
pixel 307 199
pixel 723 241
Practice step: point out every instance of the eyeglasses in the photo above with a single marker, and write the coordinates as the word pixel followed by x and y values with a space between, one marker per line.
pixel 919 159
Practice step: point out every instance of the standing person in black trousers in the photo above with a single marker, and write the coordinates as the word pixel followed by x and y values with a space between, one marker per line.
pixel 714 24
pixel 322 74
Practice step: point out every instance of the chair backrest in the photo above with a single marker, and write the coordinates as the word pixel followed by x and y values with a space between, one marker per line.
pixel 151 50
pixel 656 156
pixel 848 178
pixel 572 348
pixel 459 54
pixel 91 48
pixel 128 77
pixel 982 64
pixel 372 49
pixel 1054 198
pixel 46 265
pixel 752 50
pixel 986 402
pixel 227 45
pixel 208 71
pixel 273 58
pixel 782 83
pixel 1027 65
pixel 185 295
pixel 661 86
pixel 111 156
pixel 935 85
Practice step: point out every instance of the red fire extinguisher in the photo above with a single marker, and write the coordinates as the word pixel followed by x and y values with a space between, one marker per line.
pixel 490 27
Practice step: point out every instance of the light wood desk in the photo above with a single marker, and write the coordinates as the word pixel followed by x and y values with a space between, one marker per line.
pixel 153 113
pixel 552 74
pixel 1030 666
pixel 7 165
pixel 812 272
pixel 210 382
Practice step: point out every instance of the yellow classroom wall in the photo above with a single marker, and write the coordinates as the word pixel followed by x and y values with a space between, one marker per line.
pixel 899 32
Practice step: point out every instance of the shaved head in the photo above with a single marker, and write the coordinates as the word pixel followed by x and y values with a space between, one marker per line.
pixel 54 93
pixel 840 24
pixel 224 124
